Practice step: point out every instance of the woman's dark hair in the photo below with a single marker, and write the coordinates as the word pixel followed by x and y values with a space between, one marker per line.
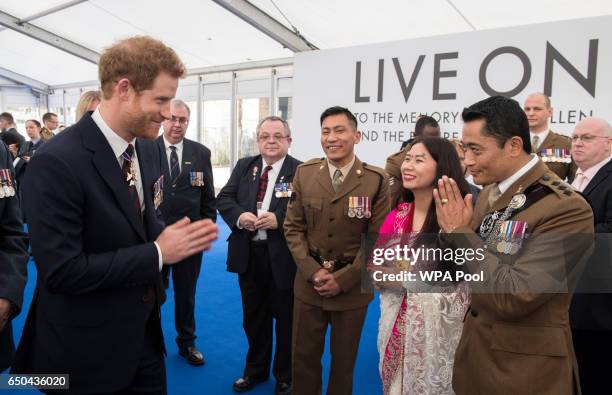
pixel 447 164
pixel 35 122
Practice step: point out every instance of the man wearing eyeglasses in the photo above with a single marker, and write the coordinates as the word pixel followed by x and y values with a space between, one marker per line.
pixel 253 203
pixel 551 147
pixel 591 313
pixel 188 192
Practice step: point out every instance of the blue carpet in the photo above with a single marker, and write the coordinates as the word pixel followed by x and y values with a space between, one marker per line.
pixel 221 337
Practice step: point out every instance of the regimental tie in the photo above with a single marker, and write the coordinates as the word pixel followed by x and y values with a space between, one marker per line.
pixel 175 169
pixel 129 176
pixel 535 143
pixel 337 180
pixel 494 195
pixel 263 184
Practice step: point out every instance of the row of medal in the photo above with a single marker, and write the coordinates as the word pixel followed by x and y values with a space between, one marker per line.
pixel 511 236
pixel 360 207
pixel 6 184
pixel 158 192
pixel 283 189
pixel 556 155
pixel 196 178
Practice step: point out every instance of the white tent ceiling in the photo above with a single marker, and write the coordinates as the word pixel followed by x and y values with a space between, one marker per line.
pixel 205 34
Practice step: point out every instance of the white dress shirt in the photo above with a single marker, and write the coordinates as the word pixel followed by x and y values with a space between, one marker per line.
pixel 344 170
pixel 265 206
pixel 119 145
pixel 507 183
pixel 179 152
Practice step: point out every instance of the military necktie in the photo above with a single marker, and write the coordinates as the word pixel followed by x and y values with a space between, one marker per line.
pixel 494 195
pixel 337 180
pixel 535 143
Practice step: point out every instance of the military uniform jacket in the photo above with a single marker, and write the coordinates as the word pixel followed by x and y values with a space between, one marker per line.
pixel 517 342
pixel 557 141
pixel 317 220
pixel 393 168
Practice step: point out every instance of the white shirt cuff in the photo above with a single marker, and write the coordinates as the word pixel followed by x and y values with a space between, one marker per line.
pixel 159 254
pixel 238 223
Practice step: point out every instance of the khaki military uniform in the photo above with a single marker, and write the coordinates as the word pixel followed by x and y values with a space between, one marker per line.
pixel 557 141
pixel 520 342
pixel 393 168
pixel 317 220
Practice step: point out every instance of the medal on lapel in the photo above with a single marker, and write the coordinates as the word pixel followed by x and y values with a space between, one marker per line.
pixel 255 168
pixel 359 209
pixel 158 192
pixel 6 184
pixel 131 175
pixel 512 234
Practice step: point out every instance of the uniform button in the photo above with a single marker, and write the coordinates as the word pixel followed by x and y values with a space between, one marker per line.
pixel 331 218
pixel 474 312
pixel 545 177
pixel 329 235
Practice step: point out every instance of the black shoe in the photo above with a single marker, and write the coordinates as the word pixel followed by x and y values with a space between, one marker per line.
pixel 283 388
pixel 192 355
pixel 246 383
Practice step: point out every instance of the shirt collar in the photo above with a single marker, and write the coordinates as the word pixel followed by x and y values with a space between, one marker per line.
pixel 507 183
pixel 35 141
pixel 344 170
pixel 542 135
pixel 591 171
pixel 179 145
pixel 117 144
pixel 276 167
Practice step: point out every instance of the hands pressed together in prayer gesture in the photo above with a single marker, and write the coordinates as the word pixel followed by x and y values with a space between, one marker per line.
pixel 452 209
pixel 325 283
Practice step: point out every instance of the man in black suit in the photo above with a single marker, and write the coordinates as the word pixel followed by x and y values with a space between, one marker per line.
pixel 253 203
pixel 9 135
pixel 188 180
pixel 591 313
pixel 26 151
pixel 13 257
pixel 97 234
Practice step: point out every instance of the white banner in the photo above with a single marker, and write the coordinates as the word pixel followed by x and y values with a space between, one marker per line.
pixel 389 85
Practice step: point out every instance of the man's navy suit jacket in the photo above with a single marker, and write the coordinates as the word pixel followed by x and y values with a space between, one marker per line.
pixel 96 262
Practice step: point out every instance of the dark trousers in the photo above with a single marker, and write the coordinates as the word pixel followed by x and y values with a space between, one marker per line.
pixel 184 279
pixel 593 350
pixel 263 302
pixel 309 329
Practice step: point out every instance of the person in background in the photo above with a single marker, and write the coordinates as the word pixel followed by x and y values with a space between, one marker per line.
pixel 87 102
pixel 253 203
pixel 13 258
pixel 188 192
pixel 50 122
pixel 9 134
pixel 425 126
pixel 27 150
pixel 591 313
pixel 553 148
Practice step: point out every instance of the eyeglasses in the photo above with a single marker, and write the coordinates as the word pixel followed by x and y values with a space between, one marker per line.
pixel 180 120
pixel 275 137
pixel 586 138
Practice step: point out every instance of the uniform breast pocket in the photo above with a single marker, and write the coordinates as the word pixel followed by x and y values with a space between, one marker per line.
pixel 313 209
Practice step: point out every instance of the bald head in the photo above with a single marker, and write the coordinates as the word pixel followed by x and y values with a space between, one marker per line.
pixel 591 142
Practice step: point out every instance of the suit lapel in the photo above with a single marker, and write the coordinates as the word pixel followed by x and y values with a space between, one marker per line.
pixel 253 173
pixel 549 142
pixel 600 176
pixel 108 167
pixel 164 163
pixel 188 161
pixel 285 173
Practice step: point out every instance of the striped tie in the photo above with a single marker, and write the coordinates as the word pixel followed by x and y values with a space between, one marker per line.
pixel 175 170
pixel 263 184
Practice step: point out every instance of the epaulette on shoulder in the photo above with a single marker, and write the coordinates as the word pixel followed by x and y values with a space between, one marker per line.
pixel 374 169
pixel 560 188
pixel 313 161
